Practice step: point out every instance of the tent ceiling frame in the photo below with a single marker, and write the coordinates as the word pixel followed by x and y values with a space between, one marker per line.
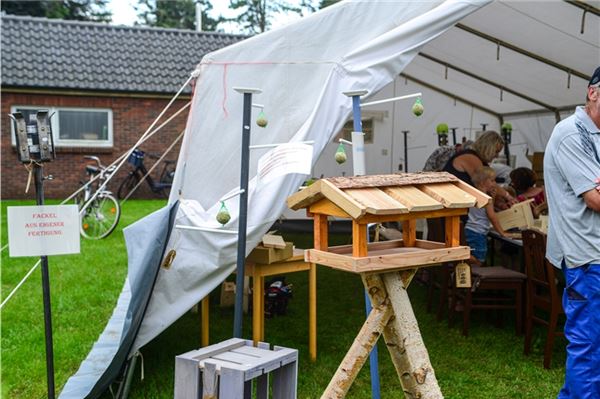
pixel 537 111
pixel 448 94
pixel 584 6
pixel 487 81
pixel 502 43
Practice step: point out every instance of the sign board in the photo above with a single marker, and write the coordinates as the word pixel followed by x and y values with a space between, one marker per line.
pixel 43 230
pixel 285 159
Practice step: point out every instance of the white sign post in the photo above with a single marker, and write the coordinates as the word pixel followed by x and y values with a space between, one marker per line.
pixel 43 230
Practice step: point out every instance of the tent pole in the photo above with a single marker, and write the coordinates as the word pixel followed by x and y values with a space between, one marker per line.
pixel 243 216
pixel 359 168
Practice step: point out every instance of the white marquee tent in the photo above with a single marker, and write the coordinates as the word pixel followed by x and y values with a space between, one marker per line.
pixel 524 62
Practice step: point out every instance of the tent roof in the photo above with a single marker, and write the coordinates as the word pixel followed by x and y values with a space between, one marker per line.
pixel 511 57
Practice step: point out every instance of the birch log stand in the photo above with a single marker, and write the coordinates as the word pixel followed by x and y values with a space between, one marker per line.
pixel 386 268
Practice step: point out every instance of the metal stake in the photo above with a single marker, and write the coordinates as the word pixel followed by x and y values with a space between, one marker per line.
pixel 243 216
pixel 405 133
pixel 39 190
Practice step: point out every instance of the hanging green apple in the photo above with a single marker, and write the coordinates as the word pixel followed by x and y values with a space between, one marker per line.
pixel 223 215
pixel 417 107
pixel 340 154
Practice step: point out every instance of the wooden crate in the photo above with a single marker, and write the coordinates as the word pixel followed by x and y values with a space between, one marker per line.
pixel 518 216
pixel 226 371
pixel 266 256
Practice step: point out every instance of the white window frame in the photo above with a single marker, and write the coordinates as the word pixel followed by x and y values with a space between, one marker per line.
pixel 54 121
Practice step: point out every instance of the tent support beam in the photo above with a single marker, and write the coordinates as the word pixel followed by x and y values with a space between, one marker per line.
pixel 448 94
pixel 487 81
pixel 537 111
pixel 584 6
pixel 524 52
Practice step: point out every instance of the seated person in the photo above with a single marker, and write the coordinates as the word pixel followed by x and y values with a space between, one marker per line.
pixel 478 222
pixel 523 182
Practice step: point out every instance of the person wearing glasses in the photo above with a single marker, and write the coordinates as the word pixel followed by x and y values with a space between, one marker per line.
pixel 571 171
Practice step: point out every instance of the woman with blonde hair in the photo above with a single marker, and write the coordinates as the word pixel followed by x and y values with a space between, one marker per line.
pixel 465 164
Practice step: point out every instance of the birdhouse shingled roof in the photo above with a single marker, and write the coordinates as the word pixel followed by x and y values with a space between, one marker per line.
pixel 390 194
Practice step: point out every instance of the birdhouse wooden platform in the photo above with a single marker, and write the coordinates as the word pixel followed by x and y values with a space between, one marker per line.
pixel 387 268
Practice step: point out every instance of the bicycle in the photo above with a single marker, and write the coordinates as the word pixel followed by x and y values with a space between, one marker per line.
pixel 139 172
pixel 102 214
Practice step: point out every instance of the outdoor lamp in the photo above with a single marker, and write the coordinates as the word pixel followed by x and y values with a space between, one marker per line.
pixel 34 136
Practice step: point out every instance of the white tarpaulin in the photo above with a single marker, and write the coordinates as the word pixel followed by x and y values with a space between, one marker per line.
pixel 303 70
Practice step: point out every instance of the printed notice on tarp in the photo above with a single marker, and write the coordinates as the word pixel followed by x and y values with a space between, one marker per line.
pixel 43 230
pixel 285 159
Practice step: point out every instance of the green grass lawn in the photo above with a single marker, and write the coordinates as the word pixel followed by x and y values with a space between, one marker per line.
pixel 487 364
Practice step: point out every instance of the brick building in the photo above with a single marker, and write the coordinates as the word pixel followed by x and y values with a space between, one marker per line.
pixel 105 84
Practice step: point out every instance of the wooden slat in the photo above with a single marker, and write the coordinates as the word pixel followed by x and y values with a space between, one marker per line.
pixel 342 200
pixel 482 198
pixel 449 195
pixel 326 207
pixel 321 232
pixel 359 239
pixel 409 232
pixel 306 196
pixel 403 258
pixel 376 201
pixel 369 218
pixel 452 231
pixel 413 198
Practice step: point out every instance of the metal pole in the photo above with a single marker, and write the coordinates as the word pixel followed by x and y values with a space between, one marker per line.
pixel 405 132
pixel 243 216
pixel 39 191
pixel 358 163
pixel 453 135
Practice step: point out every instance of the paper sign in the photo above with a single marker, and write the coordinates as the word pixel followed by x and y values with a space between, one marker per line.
pixel 285 159
pixel 43 230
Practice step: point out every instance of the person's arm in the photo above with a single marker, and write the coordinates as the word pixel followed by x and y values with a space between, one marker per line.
pixel 597 181
pixel 592 199
pixel 491 214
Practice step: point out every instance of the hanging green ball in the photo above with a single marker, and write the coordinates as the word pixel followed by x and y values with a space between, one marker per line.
pixel 417 107
pixel 340 154
pixel 442 128
pixel 506 127
pixel 262 119
pixel 223 215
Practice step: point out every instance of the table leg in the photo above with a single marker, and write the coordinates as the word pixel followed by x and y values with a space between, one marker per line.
pixel 205 318
pixel 312 312
pixel 257 308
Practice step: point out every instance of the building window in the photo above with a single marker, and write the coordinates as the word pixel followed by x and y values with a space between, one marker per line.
pixel 74 127
pixel 346 132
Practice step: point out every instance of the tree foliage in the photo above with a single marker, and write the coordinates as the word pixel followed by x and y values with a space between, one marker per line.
pixel 179 14
pixel 256 15
pixel 80 10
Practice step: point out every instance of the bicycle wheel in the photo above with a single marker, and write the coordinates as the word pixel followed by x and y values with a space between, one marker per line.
pixel 101 217
pixel 127 185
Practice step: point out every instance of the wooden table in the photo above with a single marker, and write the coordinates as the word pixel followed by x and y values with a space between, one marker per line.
pixel 258 272
pixel 516 262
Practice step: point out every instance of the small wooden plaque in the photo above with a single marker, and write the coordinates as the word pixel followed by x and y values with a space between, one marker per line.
pixel 463 275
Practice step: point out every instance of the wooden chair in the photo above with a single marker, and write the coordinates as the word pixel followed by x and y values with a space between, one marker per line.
pixel 542 293
pixel 491 284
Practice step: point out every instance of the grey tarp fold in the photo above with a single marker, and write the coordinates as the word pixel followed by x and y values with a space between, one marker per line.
pixel 146 244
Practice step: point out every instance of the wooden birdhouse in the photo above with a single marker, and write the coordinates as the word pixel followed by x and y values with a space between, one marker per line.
pixel 385 198
pixel 387 268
